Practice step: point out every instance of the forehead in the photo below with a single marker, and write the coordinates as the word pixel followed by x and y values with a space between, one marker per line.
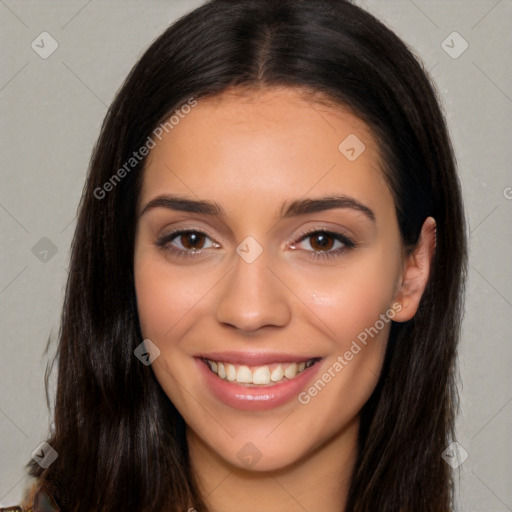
pixel 270 143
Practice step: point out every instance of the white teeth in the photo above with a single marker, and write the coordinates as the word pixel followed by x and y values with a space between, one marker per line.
pixel 277 374
pixel 291 371
pixel 261 375
pixel 230 372
pixel 244 375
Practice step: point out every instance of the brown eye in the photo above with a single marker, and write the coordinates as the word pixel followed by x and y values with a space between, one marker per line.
pixel 323 244
pixel 186 242
pixel 321 241
pixel 192 240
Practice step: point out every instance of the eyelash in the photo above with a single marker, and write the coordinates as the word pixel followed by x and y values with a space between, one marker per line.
pixel 348 243
pixel 165 240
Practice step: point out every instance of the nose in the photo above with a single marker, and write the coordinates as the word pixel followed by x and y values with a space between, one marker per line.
pixel 253 296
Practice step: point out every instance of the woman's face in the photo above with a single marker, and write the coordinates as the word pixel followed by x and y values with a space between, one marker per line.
pixel 272 311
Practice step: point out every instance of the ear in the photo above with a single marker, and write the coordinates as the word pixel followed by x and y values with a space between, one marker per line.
pixel 415 273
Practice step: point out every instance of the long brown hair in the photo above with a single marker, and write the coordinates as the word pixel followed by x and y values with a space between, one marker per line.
pixel 120 440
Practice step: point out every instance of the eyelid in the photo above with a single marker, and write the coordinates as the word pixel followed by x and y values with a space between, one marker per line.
pixel 347 239
pixel 348 242
pixel 181 229
pixel 164 243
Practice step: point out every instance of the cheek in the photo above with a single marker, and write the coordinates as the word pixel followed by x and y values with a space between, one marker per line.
pixel 357 308
pixel 354 298
pixel 169 302
pixel 356 311
pixel 165 297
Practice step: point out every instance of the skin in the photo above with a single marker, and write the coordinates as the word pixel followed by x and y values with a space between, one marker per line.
pixel 253 152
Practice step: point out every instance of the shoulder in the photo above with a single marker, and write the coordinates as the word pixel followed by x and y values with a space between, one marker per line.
pixel 30 494
pixel 36 498
pixel 26 504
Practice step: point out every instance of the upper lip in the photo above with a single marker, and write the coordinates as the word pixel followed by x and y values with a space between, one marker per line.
pixel 255 358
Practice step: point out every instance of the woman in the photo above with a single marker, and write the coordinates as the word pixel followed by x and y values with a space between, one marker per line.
pixel 266 279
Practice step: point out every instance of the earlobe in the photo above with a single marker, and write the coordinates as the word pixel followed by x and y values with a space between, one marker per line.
pixel 416 272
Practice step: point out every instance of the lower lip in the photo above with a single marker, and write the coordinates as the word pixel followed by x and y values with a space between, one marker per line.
pixel 259 398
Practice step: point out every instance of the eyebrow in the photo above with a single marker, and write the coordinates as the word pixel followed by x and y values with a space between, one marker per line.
pixel 295 208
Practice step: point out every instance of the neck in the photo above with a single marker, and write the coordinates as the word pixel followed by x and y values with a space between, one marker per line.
pixel 318 481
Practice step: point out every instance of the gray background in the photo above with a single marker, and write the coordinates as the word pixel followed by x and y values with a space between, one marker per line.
pixel 52 110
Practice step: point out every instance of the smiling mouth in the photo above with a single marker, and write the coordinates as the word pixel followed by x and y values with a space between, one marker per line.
pixel 262 375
